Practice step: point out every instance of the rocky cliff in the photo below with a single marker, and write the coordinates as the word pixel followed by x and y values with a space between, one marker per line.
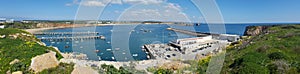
pixel 255 30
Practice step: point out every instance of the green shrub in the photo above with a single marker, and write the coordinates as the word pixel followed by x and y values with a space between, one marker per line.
pixel 163 71
pixel 276 56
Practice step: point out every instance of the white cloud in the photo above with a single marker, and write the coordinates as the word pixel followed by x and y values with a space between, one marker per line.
pixel 73 3
pixel 116 2
pixel 103 2
pixel 173 6
pixel 144 1
pixel 157 12
pixel 93 3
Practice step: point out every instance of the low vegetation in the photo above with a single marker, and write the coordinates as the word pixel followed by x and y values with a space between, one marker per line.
pixel 273 51
pixel 20 25
pixel 110 69
pixel 63 68
pixel 17 47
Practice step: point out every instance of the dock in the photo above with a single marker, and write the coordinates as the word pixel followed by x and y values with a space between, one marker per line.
pixel 66 33
pixel 70 38
pixel 193 33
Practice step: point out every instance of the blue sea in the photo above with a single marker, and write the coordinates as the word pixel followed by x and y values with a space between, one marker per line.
pixel 139 36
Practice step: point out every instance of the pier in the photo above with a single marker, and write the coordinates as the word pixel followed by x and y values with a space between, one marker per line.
pixel 70 38
pixel 198 34
pixel 66 33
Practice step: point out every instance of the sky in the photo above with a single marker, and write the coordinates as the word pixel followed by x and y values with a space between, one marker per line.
pixel 232 11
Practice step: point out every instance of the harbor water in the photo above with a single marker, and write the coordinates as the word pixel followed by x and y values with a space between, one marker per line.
pixel 139 36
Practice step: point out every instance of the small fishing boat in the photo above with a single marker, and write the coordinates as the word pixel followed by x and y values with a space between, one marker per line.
pixel 148 56
pixel 97 51
pixel 108 49
pixel 117 48
pixel 67 46
pixel 134 55
pixel 102 37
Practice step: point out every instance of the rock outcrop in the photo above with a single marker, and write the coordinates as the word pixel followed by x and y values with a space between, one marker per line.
pixel 83 70
pixel 254 30
pixel 45 61
pixel 17 72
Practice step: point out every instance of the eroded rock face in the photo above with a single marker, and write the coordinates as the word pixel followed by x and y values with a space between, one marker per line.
pixel 255 30
pixel 83 70
pixel 45 61
pixel 175 65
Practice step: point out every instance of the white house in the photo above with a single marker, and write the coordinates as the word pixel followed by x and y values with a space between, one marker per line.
pixel 2 26
pixel 2 20
pixel 9 20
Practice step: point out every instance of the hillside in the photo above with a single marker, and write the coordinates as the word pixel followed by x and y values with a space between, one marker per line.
pixel 272 49
pixel 18 47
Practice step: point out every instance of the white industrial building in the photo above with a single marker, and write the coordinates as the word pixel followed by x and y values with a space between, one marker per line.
pixel 193 43
pixel 227 37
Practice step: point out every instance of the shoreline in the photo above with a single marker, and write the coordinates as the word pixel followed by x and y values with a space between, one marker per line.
pixel 60 27
pixel 34 30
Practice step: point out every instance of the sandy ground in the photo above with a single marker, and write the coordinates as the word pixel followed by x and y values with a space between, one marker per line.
pixel 83 70
pixel 42 29
pixel 61 27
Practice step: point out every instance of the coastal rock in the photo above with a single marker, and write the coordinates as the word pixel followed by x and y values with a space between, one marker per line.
pixel 17 72
pixel 174 65
pixel 14 61
pixel 254 30
pixel 83 70
pixel 45 61
pixel 2 36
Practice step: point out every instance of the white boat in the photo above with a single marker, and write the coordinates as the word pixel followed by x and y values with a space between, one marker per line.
pixel 148 56
pixel 134 55
pixel 117 48
pixel 102 37
pixel 99 58
pixel 108 49
pixel 108 42
pixel 113 58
